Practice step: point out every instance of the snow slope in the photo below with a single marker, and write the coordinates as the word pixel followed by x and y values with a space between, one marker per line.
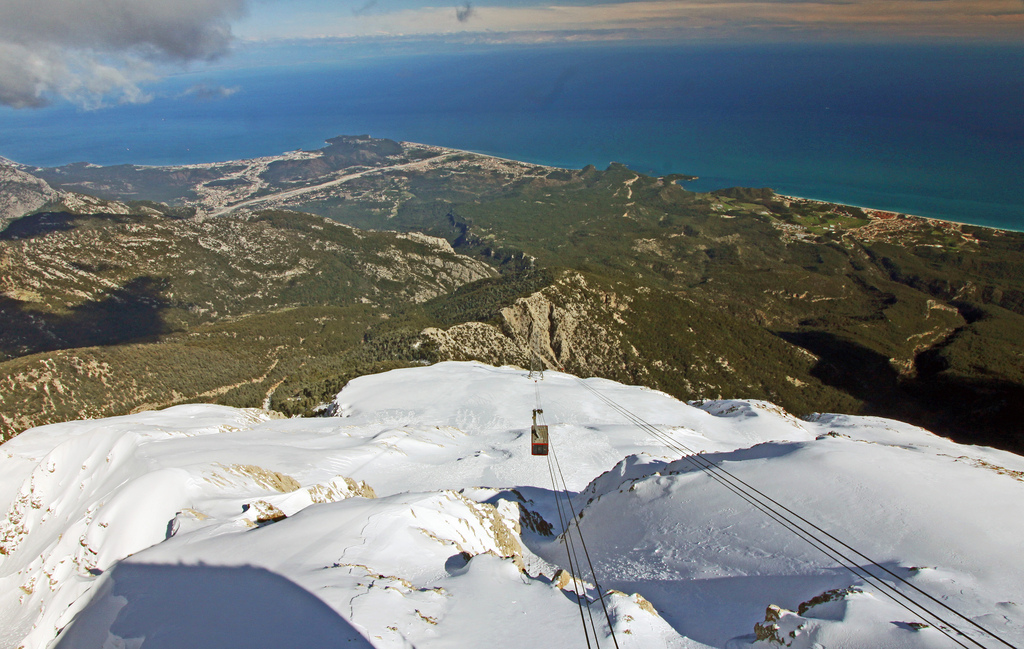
pixel 416 517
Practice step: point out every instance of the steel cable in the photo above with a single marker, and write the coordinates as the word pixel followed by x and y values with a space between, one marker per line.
pixel 751 495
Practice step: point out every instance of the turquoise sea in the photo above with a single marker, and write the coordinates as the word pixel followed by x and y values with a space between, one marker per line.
pixel 931 130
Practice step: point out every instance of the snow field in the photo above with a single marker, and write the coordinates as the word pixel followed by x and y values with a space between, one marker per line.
pixel 416 518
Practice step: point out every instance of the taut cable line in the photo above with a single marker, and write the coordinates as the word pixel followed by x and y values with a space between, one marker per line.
pixel 786 516
pixel 570 551
pixel 579 531
pixel 567 518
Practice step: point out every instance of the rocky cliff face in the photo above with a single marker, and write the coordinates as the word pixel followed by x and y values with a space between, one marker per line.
pixel 572 324
pixel 21 192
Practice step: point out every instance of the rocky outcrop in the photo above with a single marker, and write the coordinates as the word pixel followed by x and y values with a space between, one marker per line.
pixel 21 192
pixel 235 265
pixel 477 341
pixel 572 324
pixel 428 274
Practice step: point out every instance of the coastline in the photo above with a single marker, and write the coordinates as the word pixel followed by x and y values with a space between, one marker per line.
pixel 876 215
pixel 884 214
pixel 879 215
pixel 875 212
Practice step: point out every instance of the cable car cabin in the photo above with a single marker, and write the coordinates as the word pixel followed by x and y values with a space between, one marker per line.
pixel 538 436
pixel 539 440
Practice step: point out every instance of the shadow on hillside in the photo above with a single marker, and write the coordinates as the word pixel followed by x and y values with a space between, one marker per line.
pixel 37 225
pixel 129 314
pixel 967 410
pixel 201 606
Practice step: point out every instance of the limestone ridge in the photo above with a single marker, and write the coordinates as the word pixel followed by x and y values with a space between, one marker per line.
pixel 565 325
pixel 207 270
pixel 21 192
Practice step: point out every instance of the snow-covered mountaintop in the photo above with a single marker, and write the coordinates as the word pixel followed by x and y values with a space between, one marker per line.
pixel 417 517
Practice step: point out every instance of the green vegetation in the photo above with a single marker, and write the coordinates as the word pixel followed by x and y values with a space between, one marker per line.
pixel 736 293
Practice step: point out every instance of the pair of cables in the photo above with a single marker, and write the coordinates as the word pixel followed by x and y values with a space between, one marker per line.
pixel 576 549
pixel 916 601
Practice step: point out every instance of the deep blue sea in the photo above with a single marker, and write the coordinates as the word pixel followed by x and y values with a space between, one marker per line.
pixel 930 130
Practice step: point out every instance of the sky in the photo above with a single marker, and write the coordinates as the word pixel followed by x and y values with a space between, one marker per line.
pixel 100 52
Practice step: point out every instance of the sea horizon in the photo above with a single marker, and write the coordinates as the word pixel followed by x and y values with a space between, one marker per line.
pixel 909 129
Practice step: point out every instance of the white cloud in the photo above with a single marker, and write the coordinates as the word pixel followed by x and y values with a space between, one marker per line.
pixel 206 92
pixel 95 51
